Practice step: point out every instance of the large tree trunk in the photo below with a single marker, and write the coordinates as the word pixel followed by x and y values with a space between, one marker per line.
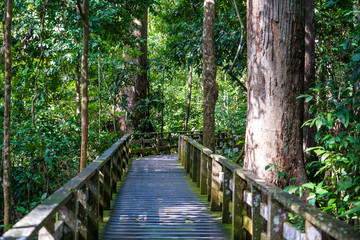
pixel 275 80
pixel 7 112
pixel 309 77
pixel 187 114
pixel 209 75
pixel 84 85
pixel 138 88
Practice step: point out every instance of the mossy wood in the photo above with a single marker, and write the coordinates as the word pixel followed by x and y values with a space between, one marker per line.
pixel 259 209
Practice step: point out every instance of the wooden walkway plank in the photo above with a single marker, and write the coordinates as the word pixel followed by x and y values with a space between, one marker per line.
pixel 157 202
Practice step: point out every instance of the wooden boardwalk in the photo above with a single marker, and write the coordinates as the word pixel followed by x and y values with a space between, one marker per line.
pixel 157 202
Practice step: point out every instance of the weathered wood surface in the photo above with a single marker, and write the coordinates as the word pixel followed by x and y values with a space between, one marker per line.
pixel 157 202
pixel 259 209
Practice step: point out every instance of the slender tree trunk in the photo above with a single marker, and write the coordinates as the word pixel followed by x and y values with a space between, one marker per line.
pixel 162 99
pixel 99 82
pixel 187 114
pixel 7 113
pixel 275 79
pixel 209 75
pixel 84 85
pixel 309 76
pixel 78 88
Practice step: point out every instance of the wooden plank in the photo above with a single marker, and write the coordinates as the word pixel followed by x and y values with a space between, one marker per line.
pixel 157 202
pixel 215 186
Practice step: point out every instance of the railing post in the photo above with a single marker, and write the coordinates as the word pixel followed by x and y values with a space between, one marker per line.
pixel 169 143
pixel 107 187
pixel 203 173
pixel 157 143
pixel 187 157
pixel 195 165
pixel 238 209
pixel 209 176
pixel 312 233
pixel 277 216
pixel 114 172
pixel 68 214
pixel 48 231
pixel 215 185
pixel 256 217
pixel 226 196
pixel 119 159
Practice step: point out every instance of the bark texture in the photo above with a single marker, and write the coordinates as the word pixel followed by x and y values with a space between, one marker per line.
pixel 7 112
pixel 309 77
pixel 209 74
pixel 275 80
pixel 187 113
pixel 137 90
pixel 84 85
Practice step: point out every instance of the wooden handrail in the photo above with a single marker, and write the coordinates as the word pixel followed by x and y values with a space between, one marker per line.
pixel 254 201
pixel 76 208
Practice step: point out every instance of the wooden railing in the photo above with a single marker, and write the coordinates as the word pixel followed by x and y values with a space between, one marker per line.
pixel 75 210
pixel 154 143
pixel 256 209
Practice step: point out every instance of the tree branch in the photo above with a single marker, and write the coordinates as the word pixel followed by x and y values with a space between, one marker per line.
pixel 230 71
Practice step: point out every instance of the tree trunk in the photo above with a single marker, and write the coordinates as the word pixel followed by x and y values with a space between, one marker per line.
pixel 187 114
pixel 84 85
pixel 78 88
pixel 7 112
pixel 162 100
pixel 99 83
pixel 275 80
pixel 138 89
pixel 209 75
pixel 309 76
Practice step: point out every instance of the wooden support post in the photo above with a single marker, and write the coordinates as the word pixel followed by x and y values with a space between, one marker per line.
pixel 191 160
pixel 238 209
pixel 226 196
pixel 195 164
pixel 203 174
pixel 198 162
pixel 256 217
pixel 119 164
pixel 142 146
pixel 215 186
pixel 107 186
pixel 169 144
pixel 93 216
pixel 157 143
pixel 48 231
pixel 114 173
pixel 187 157
pixel 209 176
pixel 312 233
pixel 277 216
pixel 68 214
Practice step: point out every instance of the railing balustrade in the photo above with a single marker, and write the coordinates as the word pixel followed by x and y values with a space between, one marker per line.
pixel 259 210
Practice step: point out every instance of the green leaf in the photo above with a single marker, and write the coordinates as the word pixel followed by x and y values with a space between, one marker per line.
pixel 356 57
pixel 351 211
pixel 309 185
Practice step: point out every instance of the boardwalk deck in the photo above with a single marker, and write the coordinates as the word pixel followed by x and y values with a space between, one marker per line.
pixel 157 202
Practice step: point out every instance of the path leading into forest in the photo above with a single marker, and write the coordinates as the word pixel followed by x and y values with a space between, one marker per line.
pixel 158 202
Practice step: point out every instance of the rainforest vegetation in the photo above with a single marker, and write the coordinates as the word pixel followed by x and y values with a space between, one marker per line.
pixel 155 47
